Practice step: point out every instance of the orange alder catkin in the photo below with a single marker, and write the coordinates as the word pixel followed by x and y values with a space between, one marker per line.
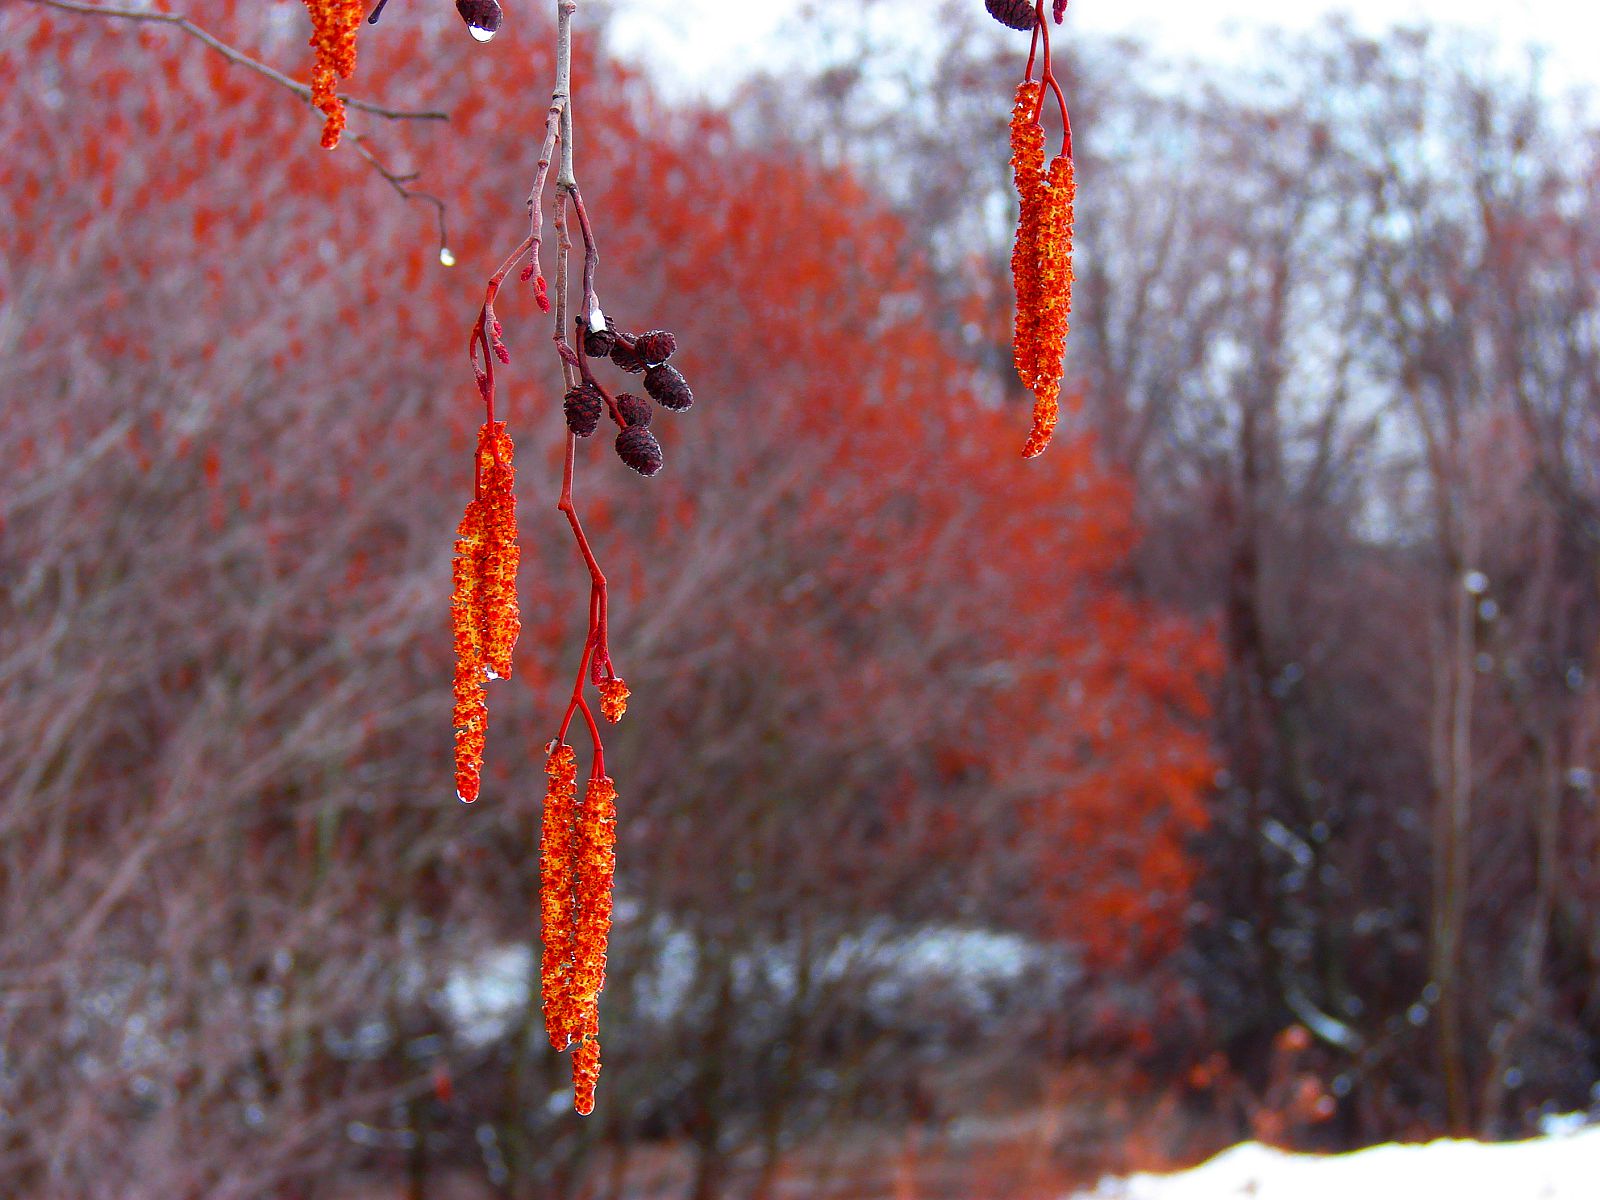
pixel 497 576
pixel 1041 265
pixel 1027 173
pixel 614 695
pixel 484 616
pixel 1055 302
pixel 557 831
pixel 470 716
pixel 585 1074
pixel 333 36
pixel 594 866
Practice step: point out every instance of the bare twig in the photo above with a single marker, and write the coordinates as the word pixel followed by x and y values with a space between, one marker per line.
pixel 401 183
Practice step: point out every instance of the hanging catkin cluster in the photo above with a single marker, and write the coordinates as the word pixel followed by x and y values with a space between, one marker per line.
pixel 577 841
pixel 1041 257
pixel 1041 265
pixel 577 864
pixel 484 616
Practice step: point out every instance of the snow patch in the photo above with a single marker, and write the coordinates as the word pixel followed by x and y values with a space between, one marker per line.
pixel 1562 1166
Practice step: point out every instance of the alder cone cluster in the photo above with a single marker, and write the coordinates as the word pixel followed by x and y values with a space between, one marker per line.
pixel 633 353
pixel 1014 14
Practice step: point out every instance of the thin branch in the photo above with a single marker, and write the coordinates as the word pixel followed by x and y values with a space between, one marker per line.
pixel 235 55
pixel 400 184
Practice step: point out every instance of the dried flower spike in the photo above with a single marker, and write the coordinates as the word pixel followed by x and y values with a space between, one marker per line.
pixel 638 447
pixel 1014 14
pixel 333 36
pixel 669 388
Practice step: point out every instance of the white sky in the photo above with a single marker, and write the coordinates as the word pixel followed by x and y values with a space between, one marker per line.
pixel 698 45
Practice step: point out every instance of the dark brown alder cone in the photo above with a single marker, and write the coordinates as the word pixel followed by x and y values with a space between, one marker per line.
pixel 1016 14
pixel 634 410
pixel 597 343
pixel 625 354
pixel 582 407
pixel 670 389
pixel 656 346
pixel 638 447
pixel 480 14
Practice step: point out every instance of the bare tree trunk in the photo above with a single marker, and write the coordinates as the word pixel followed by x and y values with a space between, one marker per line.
pixel 1451 845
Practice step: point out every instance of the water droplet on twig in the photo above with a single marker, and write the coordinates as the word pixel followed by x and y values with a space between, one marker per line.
pixel 445 257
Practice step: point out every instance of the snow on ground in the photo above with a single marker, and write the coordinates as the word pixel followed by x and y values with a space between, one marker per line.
pixel 1564 1165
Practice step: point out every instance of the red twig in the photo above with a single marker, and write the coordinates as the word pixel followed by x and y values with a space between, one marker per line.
pixel 596 652
pixel 1047 77
pixel 591 252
